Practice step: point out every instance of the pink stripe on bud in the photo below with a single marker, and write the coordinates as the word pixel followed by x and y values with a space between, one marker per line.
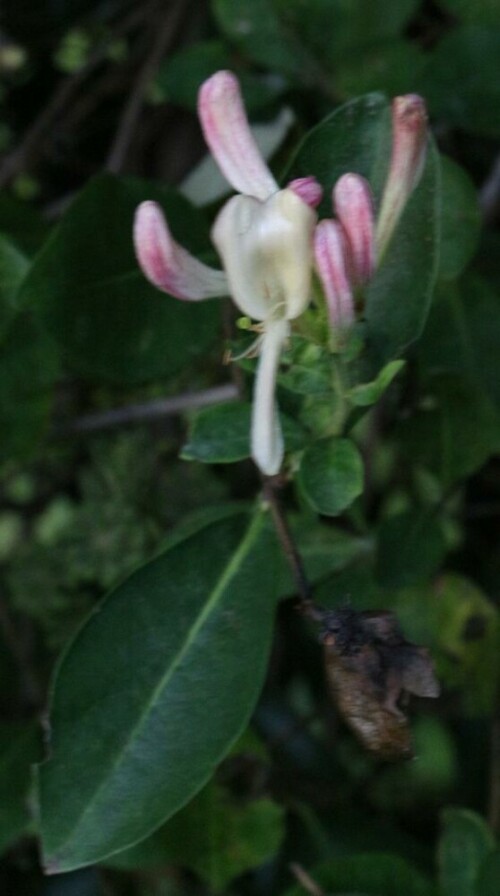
pixel 352 198
pixel 308 189
pixel 166 264
pixel 228 135
pixel 330 252
pixel 409 142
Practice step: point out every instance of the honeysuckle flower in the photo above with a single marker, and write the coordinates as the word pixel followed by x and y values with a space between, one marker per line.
pixel 264 237
pixel 348 249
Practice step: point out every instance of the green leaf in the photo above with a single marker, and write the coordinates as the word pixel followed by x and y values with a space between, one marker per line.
pixel 391 66
pixel 309 368
pixel 181 75
pixel 13 267
pixel 488 879
pixel 189 634
pixel 256 29
pixel 465 842
pixel 368 393
pixel 460 80
pixel 221 434
pixel 358 137
pixel 29 366
pixel 21 223
pixel 410 548
pixel 214 836
pixel 331 475
pixel 373 874
pixel 90 294
pixel 19 748
pixel 455 432
pixel 460 220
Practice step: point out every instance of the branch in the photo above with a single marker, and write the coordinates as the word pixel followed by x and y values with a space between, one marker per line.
pixel 61 98
pixel 146 412
pixel 130 116
pixel 489 194
pixel 272 486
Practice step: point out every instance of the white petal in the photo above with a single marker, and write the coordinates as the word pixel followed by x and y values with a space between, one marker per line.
pixel 266 437
pixel 227 132
pixel 266 250
pixel 167 265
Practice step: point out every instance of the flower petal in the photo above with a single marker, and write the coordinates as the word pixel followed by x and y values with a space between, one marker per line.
pixel 330 255
pixel 308 189
pixel 167 265
pixel 353 204
pixel 266 249
pixel 226 130
pixel 409 144
pixel 266 436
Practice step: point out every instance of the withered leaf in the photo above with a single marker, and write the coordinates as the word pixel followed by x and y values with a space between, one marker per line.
pixel 372 669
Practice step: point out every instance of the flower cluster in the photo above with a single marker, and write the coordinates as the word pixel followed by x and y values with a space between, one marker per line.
pixel 269 240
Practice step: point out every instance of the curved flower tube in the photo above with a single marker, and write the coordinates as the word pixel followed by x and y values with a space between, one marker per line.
pixel 264 238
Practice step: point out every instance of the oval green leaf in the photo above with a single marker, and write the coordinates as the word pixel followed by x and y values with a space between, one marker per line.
pixel 465 843
pixel 154 690
pixel 86 286
pixel 331 475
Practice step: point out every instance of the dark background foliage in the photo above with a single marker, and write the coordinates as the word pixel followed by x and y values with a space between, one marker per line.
pixel 100 379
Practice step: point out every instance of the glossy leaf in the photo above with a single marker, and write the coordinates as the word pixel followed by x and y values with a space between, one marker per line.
pixel 215 837
pixel 91 296
pixel 460 220
pixel 357 137
pixel 331 475
pixel 464 845
pixel 189 635
pixel 221 434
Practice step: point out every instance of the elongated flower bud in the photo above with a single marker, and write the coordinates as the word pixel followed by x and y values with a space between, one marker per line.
pixel 353 203
pixel 331 263
pixel 409 139
pixel 308 189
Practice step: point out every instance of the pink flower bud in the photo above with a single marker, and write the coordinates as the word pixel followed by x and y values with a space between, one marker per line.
pixel 331 256
pixel 409 140
pixel 308 189
pixel 352 199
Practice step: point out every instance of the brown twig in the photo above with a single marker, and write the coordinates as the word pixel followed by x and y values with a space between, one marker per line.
pixel 271 488
pixel 147 412
pixel 127 125
pixel 305 880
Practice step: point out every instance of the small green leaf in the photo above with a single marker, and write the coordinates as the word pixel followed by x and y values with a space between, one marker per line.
pixel 331 475
pixel 189 634
pixel 368 393
pixel 214 836
pixel 221 434
pixel 86 285
pixel 460 220
pixel 465 843
pixel 410 548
